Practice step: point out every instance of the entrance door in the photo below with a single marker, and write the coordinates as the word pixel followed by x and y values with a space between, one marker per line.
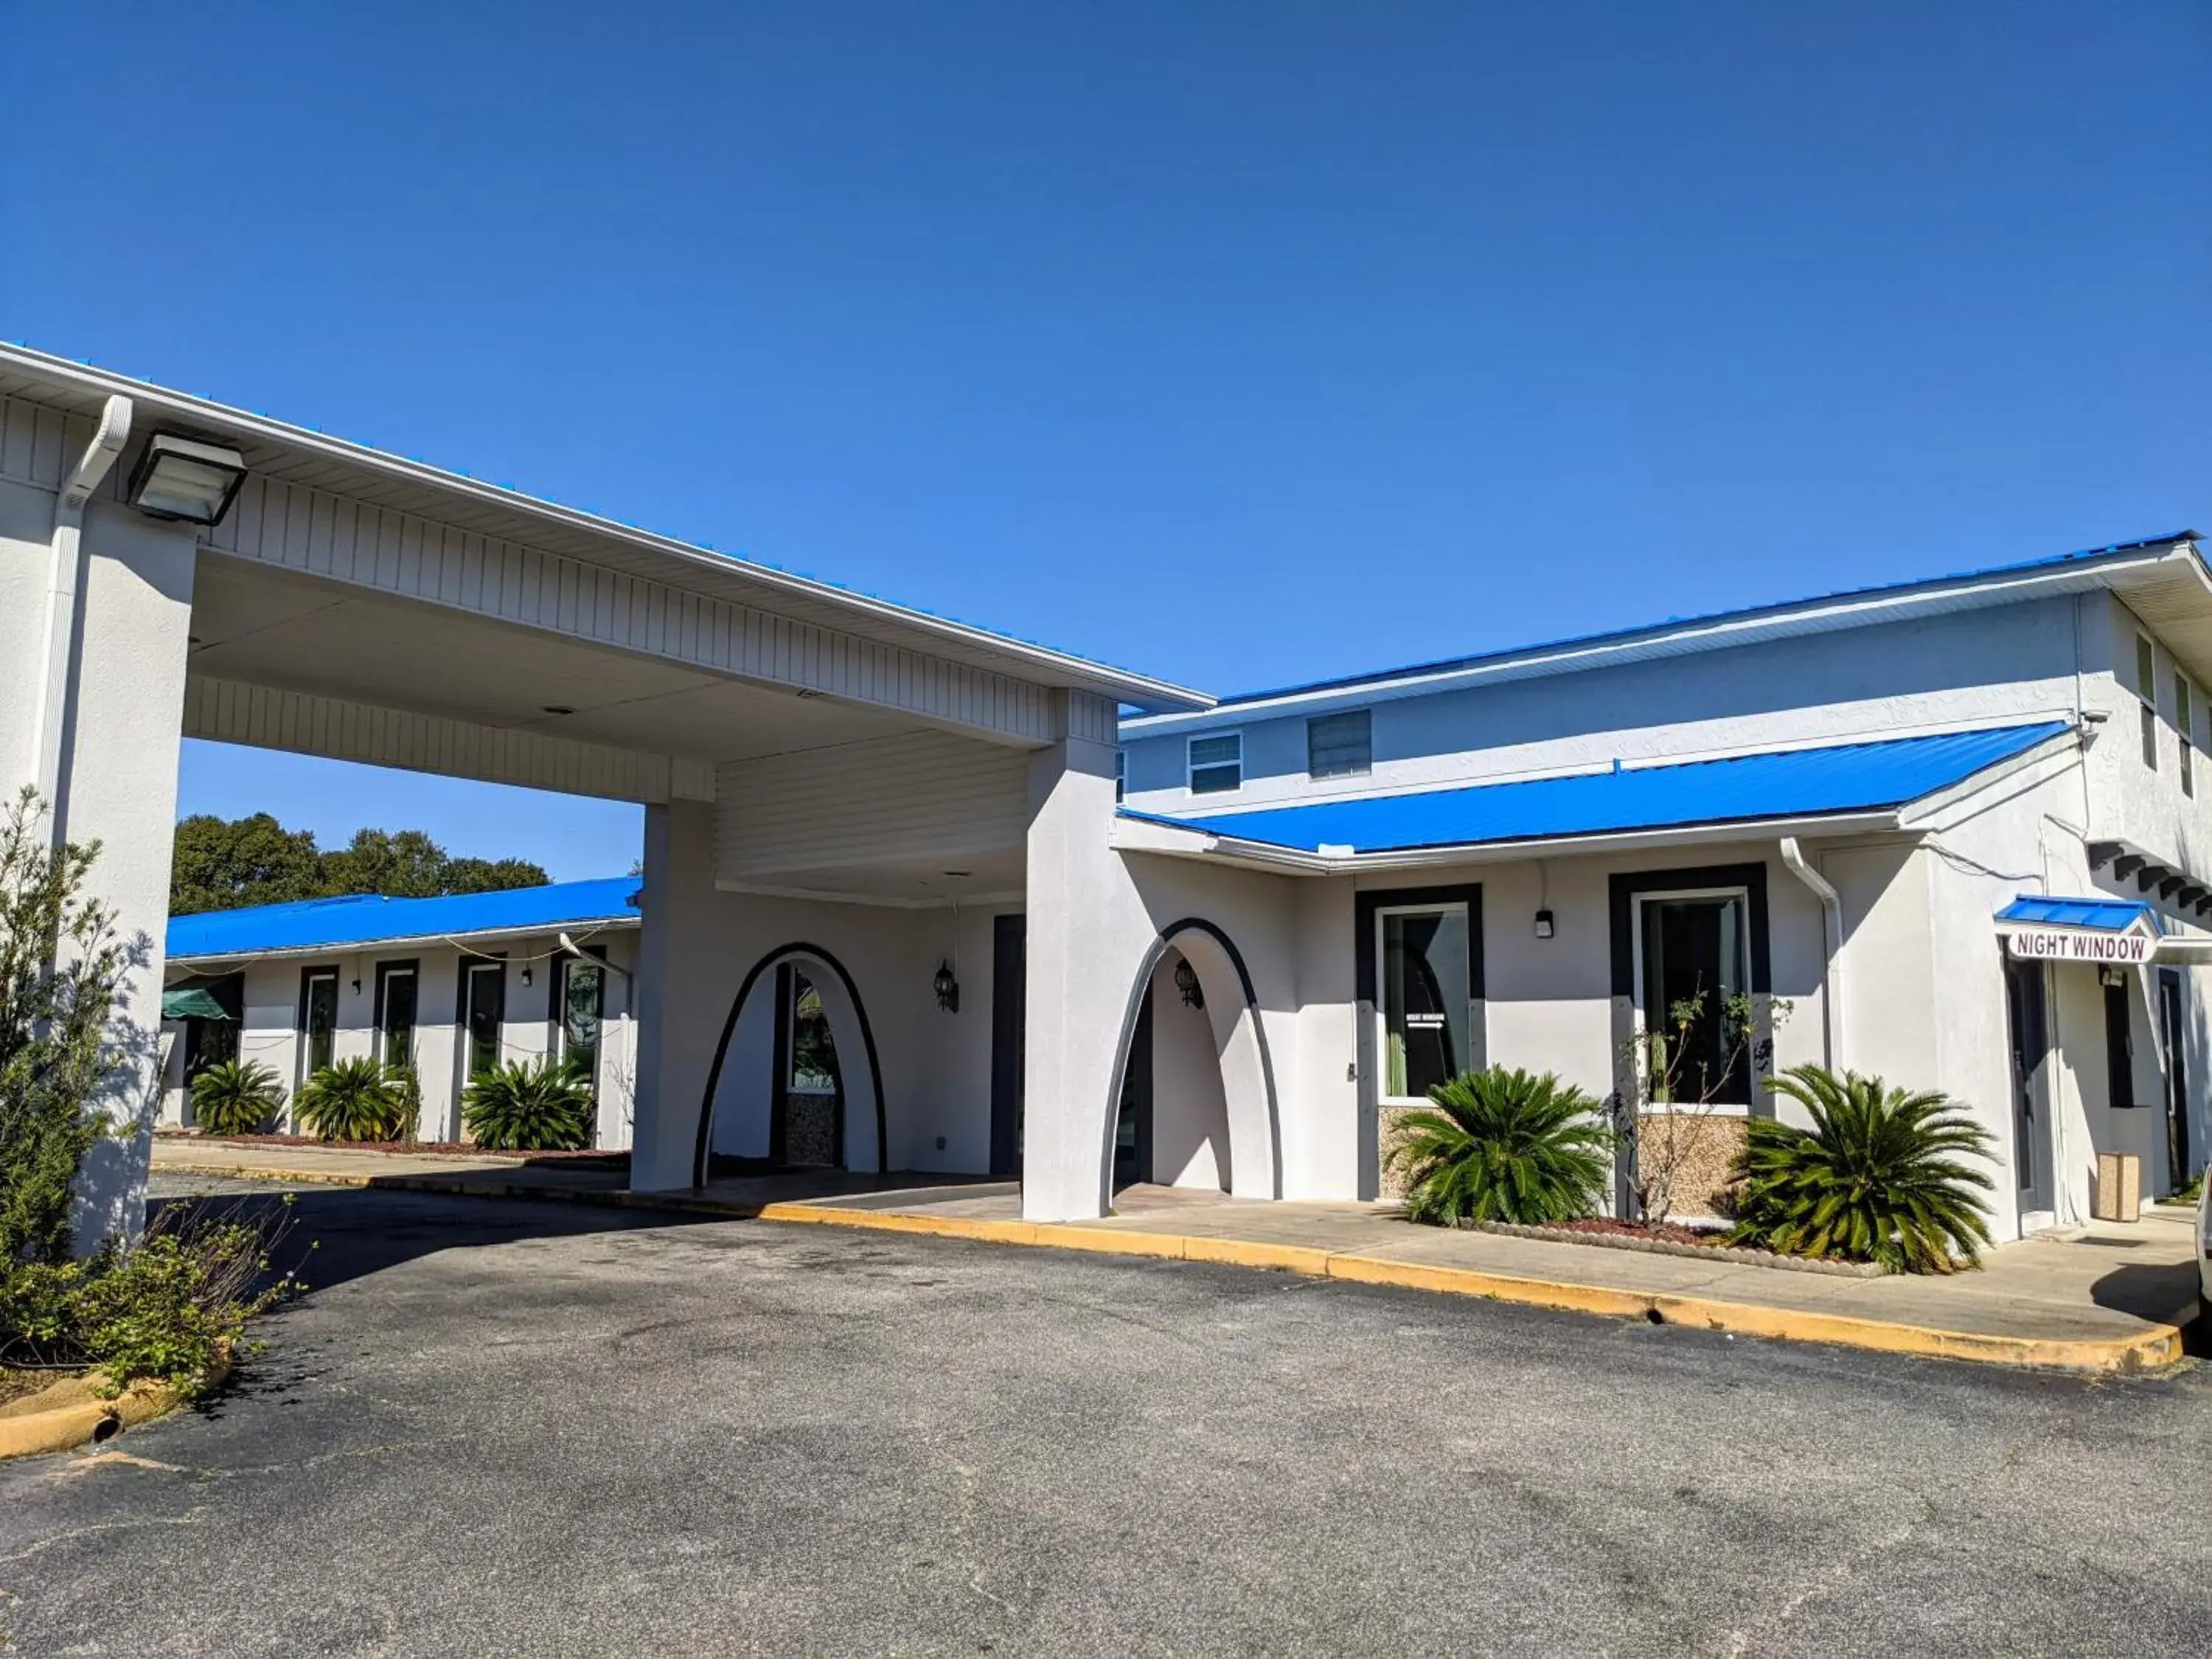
pixel 809 1122
pixel 2029 1021
pixel 1009 1031
pixel 1132 1123
pixel 2177 1078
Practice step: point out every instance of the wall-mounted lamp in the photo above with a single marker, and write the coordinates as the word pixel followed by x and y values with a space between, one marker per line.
pixel 947 988
pixel 187 479
pixel 1543 924
pixel 526 973
pixel 357 985
pixel 1193 995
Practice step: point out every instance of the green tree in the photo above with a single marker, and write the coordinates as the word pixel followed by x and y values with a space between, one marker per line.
pixel 224 864
pixel 61 971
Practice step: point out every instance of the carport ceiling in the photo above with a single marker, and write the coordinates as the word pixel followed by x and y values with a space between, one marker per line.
pixel 293 633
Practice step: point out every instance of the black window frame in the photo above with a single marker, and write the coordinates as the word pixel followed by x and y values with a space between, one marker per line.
pixel 1365 768
pixel 385 973
pixel 472 963
pixel 308 975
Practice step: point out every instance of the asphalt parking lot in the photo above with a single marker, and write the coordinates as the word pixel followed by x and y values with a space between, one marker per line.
pixel 507 1428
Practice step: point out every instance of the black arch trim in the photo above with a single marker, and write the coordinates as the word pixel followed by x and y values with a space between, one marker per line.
pixel 784 953
pixel 1153 953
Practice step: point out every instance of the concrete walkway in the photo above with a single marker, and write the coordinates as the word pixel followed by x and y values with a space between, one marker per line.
pixel 2109 1297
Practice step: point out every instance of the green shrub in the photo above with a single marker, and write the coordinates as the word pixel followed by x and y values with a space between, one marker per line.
pixel 407 1103
pixel 60 969
pixel 1503 1146
pixel 544 1106
pixel 236 1097
pixel 358 1099
pixel 166 1307
pixel 1877 1178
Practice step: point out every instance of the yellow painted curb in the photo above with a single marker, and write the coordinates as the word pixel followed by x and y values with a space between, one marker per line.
pixel 314 1177
pixel 84 1417
pixel 2152 1349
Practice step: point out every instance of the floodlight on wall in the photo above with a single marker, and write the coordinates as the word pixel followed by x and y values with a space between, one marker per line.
pixel 947 988
pixel 1543 924
pixel 188 479
pixel 1193 995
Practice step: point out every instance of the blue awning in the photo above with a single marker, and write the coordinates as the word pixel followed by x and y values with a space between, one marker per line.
pixel 1797 783
pixel 2103 915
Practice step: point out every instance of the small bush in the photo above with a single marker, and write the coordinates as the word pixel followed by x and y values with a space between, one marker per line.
pixel 358 1099
pixel 236 1097
pixel 1503 1146
pixel 167 1308
pixel 1877 1178
pixel 544 1106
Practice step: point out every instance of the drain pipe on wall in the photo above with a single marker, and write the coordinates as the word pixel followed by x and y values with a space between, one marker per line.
pixel 64 598
pixel 1832 971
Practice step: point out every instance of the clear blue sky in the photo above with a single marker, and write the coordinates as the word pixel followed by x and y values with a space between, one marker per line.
pixel 1242 344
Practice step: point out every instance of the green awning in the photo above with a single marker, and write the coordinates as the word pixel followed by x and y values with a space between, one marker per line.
pixel 190 1003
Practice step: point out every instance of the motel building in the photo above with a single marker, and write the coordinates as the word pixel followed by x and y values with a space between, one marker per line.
pixel 1073 925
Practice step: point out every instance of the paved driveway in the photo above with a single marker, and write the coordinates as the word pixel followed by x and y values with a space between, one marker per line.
pixel 507 1428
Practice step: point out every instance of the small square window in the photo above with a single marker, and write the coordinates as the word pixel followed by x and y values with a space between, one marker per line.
pixel 1217 764
pixel 1341 746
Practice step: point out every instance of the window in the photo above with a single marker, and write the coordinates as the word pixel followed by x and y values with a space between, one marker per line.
pixel 813 1054
pixel 1426 986
pixel 395 1013
pixel 581 1001
pixel 1694 996
pixel 318 1020
pixel 2183 722
pixel 483 1015
pixel 1217 764
pixel 2146 691
pixel 1341 746
pixel 1120 775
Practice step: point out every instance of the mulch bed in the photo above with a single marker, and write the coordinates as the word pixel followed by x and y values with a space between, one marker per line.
pixel 1672 1239
pixel 428 1148
pixel 1669 1232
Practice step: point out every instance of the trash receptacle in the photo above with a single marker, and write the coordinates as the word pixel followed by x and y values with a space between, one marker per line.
pixel 2119 1187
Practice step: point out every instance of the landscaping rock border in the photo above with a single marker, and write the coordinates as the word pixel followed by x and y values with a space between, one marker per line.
pixel 1796 1264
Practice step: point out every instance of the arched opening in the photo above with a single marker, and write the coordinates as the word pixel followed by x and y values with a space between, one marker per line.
pixel 1194 1101
pixel 795 1078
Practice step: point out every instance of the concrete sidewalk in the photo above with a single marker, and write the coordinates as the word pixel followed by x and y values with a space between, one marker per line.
pixel 2109 1297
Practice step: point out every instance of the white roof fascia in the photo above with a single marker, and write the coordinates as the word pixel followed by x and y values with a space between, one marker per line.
pixel 1811 616
pixel 1042 664
pixel 1261 855
pixel 465 942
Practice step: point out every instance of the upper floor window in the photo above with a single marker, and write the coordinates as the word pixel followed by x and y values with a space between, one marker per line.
pixel 1217 764
pixel 1121 774
pixel 2184 722
pixel 2146 691
pixel 1341 746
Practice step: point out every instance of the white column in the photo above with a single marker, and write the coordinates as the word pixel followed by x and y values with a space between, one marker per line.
pixel 121 717
pixel 675 1030
pixel 1087 931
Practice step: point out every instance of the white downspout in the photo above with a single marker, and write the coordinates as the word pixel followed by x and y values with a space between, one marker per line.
pixel 1832 971
pixel 65 595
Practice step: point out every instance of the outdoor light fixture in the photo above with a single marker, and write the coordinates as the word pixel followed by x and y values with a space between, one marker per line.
pixel 526 973
pixel 1194 995
pixel 1543 924
pixel 947 988
pixel 186 478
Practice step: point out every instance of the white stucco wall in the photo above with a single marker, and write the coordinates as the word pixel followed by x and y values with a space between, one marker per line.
pixel 270 1031
pixel 1190 1112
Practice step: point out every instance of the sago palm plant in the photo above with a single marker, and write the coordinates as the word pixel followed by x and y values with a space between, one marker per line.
pixel 357 1099
pixel 1882 1176
pixel 1503 1146
pixel 236 1097
pixel 544 1106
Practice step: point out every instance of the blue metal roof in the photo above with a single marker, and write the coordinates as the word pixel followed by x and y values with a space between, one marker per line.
pixel 2108 916
pixel 1855 777
pixel 1930 584
pixel 367 918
